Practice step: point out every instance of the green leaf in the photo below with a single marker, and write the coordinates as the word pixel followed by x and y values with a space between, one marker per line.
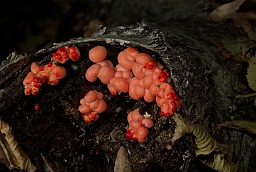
pixel 251 73
pixel 232 46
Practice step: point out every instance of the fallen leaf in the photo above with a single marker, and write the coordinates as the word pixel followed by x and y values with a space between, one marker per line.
pixel 224 54
pixel 122 163
pixel 226 11
pixel 92 27
pixel 11 154
pixel 240 19
pixel 251 73
pixel 241 125
pixel 205 144
pixel 9 161
pixel 231 45
pixel 219 164
pixel 250 15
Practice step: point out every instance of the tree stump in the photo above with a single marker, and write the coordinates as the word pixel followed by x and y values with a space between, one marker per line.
pixel 57 136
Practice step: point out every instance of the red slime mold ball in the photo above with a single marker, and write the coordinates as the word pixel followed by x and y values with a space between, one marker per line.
pixel 98 54
pixel 142 134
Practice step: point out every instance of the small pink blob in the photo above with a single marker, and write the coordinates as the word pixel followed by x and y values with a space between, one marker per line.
pixel 34 68
pixel 84 109
pixel 94 105
pixel 92 72
pixel 91 96
pixel 142 134
pixel 137 70
pixel 136 116
pixel 142 58
pixel 36 107
pixel 148 97
pixel 58 72
pixel 102 106
pixel 129 117
pixel 135 124
pixel 106 73
pixel 74 53
pixel 120 84
pixel 147 122
pixel 124 61
pixel 98 54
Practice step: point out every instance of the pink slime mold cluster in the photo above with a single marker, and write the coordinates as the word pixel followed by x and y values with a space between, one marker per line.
pixel 91 105
pixel 136 73
pixel 50 73
pixel 142 78
pixel 64 53
pixel 138 126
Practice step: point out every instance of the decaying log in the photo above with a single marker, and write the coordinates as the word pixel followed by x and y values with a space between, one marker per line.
pixel 203 81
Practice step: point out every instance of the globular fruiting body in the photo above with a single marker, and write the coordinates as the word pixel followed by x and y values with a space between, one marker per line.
pixel 138 126
pixel 167 100
pixel 65 53
pixel 50 73
pixel 143 78
pixel 136 73
pixel 91 105
pixel 97 54
pixel 36 106
pixel 104 71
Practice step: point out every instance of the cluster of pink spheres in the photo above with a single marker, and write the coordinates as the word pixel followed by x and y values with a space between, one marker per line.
pixel 142 78
pixel 91 105
pixel 138 126
pixel 136 74
pixel 50 73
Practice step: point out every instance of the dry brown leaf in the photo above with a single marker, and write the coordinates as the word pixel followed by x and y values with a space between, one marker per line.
pixel 226 11
pixel 250 15
pixel 5 154
pixel 241 125
pixel 205 144
pixel 220 164
pixel 241 20
pixel 92 27
pixel 122 163
pixel 229 11
pixel 12 154
pixel 224 54
pixel 47 165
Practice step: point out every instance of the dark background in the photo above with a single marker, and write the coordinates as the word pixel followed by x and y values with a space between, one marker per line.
pixel 28 26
